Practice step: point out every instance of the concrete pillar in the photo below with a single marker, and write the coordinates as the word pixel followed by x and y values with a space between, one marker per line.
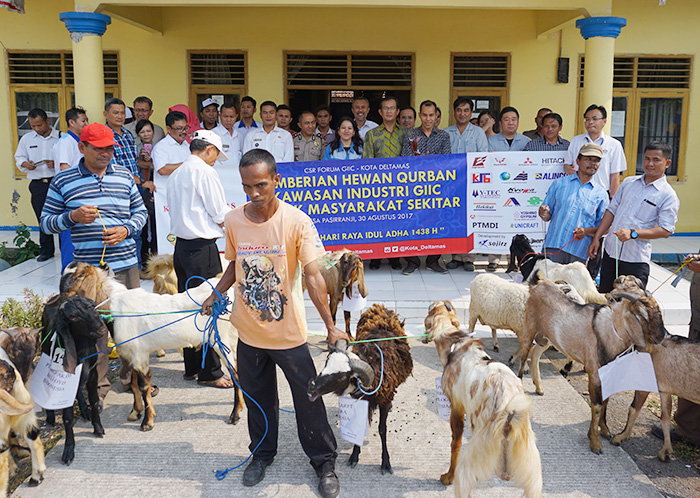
pixel 86 30
pixel 600 34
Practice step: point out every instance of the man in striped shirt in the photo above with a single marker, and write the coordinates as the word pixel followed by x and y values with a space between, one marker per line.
pixel 550 140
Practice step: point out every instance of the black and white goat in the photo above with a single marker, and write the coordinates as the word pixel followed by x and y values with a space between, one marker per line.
pixel 82 333
pixel 343 368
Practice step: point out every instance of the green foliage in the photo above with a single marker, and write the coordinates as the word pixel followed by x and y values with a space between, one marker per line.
pixel 24 313
pixel 25 249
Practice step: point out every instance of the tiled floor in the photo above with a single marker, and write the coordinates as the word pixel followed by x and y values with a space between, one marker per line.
pixel 409 295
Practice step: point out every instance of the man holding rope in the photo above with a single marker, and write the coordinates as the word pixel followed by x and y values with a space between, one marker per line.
pixel 644 208
pixel 575 207
pixel 268 242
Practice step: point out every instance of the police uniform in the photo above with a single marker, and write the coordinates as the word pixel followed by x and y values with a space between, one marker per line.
pixel 309 150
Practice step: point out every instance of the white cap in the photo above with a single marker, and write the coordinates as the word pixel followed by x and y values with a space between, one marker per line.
pixel 207 103
pixel 212 138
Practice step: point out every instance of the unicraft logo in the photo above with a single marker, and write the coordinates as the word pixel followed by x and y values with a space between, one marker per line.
pixel 481 177
pixel 511 202
pixel 524 225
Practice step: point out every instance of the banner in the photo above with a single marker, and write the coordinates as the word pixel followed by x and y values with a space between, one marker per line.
pixel 505 191
pixel 390 207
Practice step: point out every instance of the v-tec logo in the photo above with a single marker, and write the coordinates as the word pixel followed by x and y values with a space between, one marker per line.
pixel 481 177
pixel 512 201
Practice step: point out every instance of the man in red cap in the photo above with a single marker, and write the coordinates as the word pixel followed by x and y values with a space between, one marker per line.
pixel 102 206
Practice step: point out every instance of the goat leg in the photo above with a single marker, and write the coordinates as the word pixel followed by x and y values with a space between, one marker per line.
pixel 666 449
pixel 535 366
pixel 603 422
pixel 135 413
pixel 567 368
pixel 69 446
pixel 237 401
pixel 149 413
pixel 347 323
pixel 354 456
pixel 5 459
pixel 596 408
pixel 94 400
pixel 638 401
pixel 84 411
pixel 37 448
pixel 457 426
pixel 50 417
pixel 383 414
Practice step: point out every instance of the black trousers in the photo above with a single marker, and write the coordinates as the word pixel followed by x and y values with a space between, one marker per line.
pixel 38 189
pixel 257 374
pixel 197 257
pixel 607 272
pixel 429 260
pixel 149 243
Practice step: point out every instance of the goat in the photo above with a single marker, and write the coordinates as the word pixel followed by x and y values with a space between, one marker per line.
pixel 342 368
pixel 498 410
pixel 574 273
pixel 341 270
pixel 82 333
pixel 675 361
pixel 161 269
pixel 500 304
pixel 591 334
pixel 97 284
pixel 18 346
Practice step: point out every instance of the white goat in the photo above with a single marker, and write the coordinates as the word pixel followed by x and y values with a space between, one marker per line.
pixel 575 274
pixel 17 349
pixel 95 283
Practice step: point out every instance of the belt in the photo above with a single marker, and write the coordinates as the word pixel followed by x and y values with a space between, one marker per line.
pixel 43 180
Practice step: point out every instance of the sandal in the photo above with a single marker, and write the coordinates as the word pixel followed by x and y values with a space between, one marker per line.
pixel 154 391
pixel 216 383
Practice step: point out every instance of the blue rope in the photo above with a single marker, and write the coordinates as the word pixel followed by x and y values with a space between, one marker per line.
pixel 219 307
pixel 381 375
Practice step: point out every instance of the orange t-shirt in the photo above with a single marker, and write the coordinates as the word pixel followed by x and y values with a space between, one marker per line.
pixel 269 306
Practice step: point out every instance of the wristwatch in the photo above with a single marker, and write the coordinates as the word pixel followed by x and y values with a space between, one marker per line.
pixel 633 234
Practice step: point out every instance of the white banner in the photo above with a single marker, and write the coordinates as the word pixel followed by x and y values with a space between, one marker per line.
pixel 230 179
pixel 504 193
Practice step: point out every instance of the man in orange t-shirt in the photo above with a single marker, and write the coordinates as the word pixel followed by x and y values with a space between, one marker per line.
pixel 269 242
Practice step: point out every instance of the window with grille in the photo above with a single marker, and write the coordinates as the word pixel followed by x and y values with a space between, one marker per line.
pixel 480 71
pixel 54 68
pixel 351 70
pixel 648 72
pixel 222 69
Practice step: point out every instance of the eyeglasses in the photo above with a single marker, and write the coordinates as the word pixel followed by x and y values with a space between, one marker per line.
pixel 181 128
pixel 588 120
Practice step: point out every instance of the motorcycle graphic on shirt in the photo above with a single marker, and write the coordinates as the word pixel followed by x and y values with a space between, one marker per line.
pixel 259 288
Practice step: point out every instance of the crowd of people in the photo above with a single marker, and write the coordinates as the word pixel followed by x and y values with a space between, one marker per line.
pixel 94 186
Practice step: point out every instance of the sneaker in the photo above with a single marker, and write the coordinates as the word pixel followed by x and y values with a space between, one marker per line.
pixel 656 431
pixel 410 268
pixel 492 267
pixel 255 471
pixel 436 268
pixel 328 485
pixel 44 257
pixel 395 263
pixel 468 266
pixel 454 264
pixel 374 264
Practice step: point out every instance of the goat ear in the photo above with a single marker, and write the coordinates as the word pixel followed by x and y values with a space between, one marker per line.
pixel 11 407
pixel 70 358
pixel 449 306
pixel 511 261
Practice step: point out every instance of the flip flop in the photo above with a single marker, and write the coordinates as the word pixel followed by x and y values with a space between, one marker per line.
pixel 154 391
pixel 214 383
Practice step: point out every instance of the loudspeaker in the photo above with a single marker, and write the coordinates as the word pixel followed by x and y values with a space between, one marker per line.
pixel 563 70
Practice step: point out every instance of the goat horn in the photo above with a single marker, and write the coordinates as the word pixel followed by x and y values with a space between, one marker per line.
pixel 341 345
pixel 363 370
pixel 627 295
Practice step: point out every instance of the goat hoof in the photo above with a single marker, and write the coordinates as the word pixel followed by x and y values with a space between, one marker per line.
pixel 540 392
pixel 387 468
pixel 447 478
pixel 133 416
pixel 146 427
pixel 33 483
pixel 495 348
pixel 564 373
pixel 352 463
pixel 234 419
pixel 99 432
pixel 597 451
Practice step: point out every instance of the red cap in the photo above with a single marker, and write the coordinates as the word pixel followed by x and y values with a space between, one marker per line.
pixel 97 135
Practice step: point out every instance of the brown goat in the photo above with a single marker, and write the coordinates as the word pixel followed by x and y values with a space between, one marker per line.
pixel 161 270
pixel 592 334
pixel 340 270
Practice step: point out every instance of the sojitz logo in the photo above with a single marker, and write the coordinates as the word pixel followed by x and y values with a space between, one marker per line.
pixel 534 201
pixel 481 177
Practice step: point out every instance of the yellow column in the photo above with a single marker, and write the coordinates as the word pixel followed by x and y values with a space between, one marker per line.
pixel 86 30
pixel 600 34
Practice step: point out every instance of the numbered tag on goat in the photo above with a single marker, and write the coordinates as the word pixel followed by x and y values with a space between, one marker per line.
pixel 355 302
pixel 53 389
pixel 630 372
pixel 353 415
pixel 444 406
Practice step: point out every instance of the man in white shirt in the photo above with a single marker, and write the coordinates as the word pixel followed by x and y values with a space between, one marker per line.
pixel 360 109
pixel 34 156
pixel 644 208
pixel 66 154
pixel 247 123
pixel 197 207
pixel 143 109
pixel 209 114
pixel 613 162
pixel 170 152
pixel 233 145
pixel 269 136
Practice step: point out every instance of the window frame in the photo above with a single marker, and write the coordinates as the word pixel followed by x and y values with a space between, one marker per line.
pixel 193 90
pixel 486 91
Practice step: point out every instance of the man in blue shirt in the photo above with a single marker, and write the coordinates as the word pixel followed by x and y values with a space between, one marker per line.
pixel 464 136
pixel 509 139
pixel 575 207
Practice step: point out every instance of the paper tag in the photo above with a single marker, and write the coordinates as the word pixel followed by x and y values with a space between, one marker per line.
pixel 631 372
pixel 53 389
pixel 444 406
pixel 355 302
pixel 57 359
pixel 353 414
pixel 518 278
